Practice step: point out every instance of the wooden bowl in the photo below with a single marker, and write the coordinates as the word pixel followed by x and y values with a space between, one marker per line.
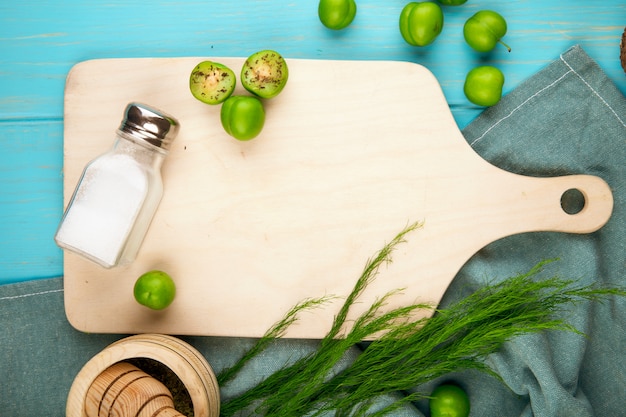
pixel 185 361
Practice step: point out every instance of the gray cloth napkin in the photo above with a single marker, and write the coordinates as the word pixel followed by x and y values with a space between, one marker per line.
pixel 568 118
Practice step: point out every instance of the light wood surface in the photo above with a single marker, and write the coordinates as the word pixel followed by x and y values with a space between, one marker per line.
pixel 351 153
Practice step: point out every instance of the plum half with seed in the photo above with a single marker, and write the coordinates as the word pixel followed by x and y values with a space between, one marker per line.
pixel 265 74
pixel 212 82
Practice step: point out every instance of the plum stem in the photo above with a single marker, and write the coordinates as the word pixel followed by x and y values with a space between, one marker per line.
pixel 508 48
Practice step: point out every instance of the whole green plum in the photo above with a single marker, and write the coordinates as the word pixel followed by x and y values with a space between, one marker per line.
pixel 336 14
pixel 484 30
pixel 421 23
pixel 242 117
pixel 449 400
pixel 483 85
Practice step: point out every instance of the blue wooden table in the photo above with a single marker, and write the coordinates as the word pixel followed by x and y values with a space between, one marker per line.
pixel 40 41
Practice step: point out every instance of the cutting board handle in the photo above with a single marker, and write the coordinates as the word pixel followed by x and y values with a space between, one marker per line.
pixel 572 203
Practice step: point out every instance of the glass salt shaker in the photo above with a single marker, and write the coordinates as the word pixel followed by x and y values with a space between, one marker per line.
pixel 118 193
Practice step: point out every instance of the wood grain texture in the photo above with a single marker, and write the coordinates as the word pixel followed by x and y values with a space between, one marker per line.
pixel 123 389
pixel 249 229
pixel 183 359
pixel 41 41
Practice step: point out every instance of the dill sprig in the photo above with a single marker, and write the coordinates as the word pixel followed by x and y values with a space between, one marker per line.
pixel 406 352
pixel 276 331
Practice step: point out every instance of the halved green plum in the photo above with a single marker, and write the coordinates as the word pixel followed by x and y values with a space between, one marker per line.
pixel 212 82
pixel 265 74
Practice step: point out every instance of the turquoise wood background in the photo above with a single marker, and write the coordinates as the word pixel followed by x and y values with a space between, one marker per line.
pixel 41 40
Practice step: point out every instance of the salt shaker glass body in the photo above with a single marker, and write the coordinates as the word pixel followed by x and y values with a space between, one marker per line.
pixel 118 193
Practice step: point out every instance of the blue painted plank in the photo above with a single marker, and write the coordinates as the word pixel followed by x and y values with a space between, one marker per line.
pixel 31 200
pixel 40 41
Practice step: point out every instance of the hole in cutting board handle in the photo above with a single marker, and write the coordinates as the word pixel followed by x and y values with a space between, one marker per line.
pixel 573 201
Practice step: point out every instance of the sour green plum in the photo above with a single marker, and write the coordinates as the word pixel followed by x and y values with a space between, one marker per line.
pixel 212 82
pixel 336 14
pixel 483 85
pixel 242 117
pixel 484 30
pixel 155 290
pixel 449 400
pixel 265 73
pixel 421 23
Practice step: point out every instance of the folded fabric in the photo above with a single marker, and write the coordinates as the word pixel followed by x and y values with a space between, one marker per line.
pixel 569 118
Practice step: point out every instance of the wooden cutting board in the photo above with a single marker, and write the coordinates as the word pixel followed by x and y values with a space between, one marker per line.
pixel 352 152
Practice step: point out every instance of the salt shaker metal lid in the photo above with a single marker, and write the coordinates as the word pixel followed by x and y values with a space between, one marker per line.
pixel 149 124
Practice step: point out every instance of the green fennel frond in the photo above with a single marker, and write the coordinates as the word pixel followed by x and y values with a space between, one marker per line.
pixel 406 352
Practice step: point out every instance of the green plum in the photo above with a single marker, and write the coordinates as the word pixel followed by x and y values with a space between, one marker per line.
pixel 155 289
pixel 449 400
pixel 421 23
pixel 484 30
pixel 211 82
pixel 265 73
pixel 242 117
pixel 452 2
pixel 483 85
pixel 336 14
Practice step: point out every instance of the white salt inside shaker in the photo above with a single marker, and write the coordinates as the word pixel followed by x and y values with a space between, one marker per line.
pixel 118 193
